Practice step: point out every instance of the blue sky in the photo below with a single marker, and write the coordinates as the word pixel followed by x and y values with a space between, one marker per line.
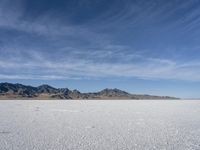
pixel 142 46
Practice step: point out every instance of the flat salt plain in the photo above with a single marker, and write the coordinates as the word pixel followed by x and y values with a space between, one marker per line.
pixel 100 125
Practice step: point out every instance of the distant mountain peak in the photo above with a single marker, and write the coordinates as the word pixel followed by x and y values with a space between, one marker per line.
pixel 45 91
pixel 114 92
pixel 45 88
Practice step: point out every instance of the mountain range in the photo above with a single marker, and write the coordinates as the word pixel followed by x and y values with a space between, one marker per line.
pixel 20 91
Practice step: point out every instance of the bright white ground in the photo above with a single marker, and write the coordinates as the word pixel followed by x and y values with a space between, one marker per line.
pixel 100 125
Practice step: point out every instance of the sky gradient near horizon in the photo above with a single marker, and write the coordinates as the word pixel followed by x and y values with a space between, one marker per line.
pixel 141 46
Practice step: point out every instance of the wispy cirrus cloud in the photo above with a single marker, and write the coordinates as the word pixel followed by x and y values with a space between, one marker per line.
pixel 41 67
pixel 127 40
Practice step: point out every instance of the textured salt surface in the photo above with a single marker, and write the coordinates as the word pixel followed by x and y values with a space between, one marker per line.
pixel 99 125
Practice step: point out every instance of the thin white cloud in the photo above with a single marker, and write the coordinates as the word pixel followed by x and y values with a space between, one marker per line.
pixel 109 60
pixel 149 68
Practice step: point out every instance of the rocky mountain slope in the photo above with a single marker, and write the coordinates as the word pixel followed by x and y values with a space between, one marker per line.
pixel 19 91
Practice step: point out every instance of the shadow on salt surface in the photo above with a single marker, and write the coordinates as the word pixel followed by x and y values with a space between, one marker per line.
pixel 5 132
